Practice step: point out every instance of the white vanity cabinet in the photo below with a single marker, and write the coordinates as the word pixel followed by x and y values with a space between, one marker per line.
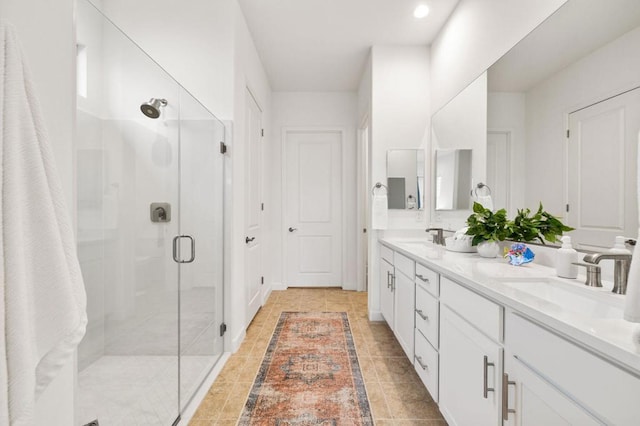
pixel 403 321
pixel 426 334
pixel 397 296
pixel 530 400
pixel 386 284
pixel 553 381
pixel 470 357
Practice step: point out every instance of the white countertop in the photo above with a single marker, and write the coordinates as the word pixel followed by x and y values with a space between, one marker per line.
pixel 589 316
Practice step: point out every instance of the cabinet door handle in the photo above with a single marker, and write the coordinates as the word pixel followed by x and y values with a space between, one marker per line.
pixel 422 278
pixel 486 389
pixel 393 283
pixel 505 397
pixel 425 367
pixel 422 315
pixel 388 279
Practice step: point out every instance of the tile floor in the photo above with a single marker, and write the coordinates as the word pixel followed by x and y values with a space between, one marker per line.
pixel 396 395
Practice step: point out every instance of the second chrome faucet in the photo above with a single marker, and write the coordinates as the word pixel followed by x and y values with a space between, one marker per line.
pixel 438 237
pixel 622 263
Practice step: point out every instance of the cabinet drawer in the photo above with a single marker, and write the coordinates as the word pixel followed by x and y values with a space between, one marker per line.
pixel 485 315
pixel 605 389
pixel 428 279
pixel 426 364
pixel 427 315
pixel 404 264
pixel 386 253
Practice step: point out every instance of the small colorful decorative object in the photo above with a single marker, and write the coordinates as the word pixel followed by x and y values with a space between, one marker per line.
pixel 519 254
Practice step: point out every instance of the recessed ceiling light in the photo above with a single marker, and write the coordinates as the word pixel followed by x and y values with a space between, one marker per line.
pixel 421 11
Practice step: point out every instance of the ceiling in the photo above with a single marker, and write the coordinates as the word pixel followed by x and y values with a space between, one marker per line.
pixel 322 45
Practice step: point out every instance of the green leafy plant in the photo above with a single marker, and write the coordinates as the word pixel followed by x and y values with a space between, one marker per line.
pixel 539 226
pixel 486 225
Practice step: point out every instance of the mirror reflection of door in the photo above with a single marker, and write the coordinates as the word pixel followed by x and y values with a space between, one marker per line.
pixel 602 188
pixel 499 167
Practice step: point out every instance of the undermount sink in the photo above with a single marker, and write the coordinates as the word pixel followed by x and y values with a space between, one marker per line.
pixel 504 271
pixel 590 302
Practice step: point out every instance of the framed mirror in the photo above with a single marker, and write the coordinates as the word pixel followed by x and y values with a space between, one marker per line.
pixel 405 179
pixel 563 120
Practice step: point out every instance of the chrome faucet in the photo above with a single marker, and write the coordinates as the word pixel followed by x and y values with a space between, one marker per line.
pixel 438 238
pixel 622 262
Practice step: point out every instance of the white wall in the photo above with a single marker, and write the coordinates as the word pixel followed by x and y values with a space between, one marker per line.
pixel 475 36
pixel 397 100
pixel 46 32
pixel 609 70
pixel 400 114
pixel 248 74
pixel 312 110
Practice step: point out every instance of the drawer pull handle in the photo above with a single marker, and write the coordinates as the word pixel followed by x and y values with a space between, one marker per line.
pixel 422 315
pixel 425 367
pixel 505 397
pixel 424 279
pixel 486 389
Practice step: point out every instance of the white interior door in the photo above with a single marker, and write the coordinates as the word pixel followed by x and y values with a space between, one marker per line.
pixel 253 206
pixel 313 208
pixel 602 153
pixel 499 167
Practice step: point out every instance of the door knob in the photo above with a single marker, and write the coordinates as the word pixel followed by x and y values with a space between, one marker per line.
pixel 292 229
pixel 247 240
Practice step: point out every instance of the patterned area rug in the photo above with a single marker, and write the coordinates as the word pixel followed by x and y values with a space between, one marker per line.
pixel 309 376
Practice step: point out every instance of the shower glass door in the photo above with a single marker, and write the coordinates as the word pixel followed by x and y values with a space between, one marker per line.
pixel 201 212
pixel 149 183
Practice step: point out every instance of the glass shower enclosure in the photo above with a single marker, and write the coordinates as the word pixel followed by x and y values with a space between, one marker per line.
pixel 150 232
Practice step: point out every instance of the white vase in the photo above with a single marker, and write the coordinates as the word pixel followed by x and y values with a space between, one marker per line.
pixel 488 249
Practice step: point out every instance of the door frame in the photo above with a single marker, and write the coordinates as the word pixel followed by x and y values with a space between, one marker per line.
pixel 362 207
pixel 343 190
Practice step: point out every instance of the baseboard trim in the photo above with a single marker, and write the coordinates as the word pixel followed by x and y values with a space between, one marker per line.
pixel 266 292
pixel 237 341
pixel 279 286
pixel 375 316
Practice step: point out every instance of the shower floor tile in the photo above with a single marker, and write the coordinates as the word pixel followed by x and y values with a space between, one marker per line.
pixel 136 390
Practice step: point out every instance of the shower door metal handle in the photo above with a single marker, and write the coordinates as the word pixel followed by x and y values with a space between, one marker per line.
pixel 175 249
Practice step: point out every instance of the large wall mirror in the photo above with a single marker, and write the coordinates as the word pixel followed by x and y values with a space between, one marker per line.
pixel 405 179
pixel 563 120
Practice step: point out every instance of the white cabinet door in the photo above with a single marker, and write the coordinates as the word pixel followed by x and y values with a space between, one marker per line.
pixel 469 386
pixel 536 402
pixel 386 291
pixel 405 296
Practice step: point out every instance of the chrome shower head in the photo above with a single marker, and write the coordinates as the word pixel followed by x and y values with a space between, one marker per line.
pixel 152 108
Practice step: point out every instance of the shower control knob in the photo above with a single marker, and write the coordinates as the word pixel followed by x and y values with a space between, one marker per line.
pixel 292 229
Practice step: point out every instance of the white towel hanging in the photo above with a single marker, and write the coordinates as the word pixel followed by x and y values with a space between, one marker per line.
pixel 43 298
